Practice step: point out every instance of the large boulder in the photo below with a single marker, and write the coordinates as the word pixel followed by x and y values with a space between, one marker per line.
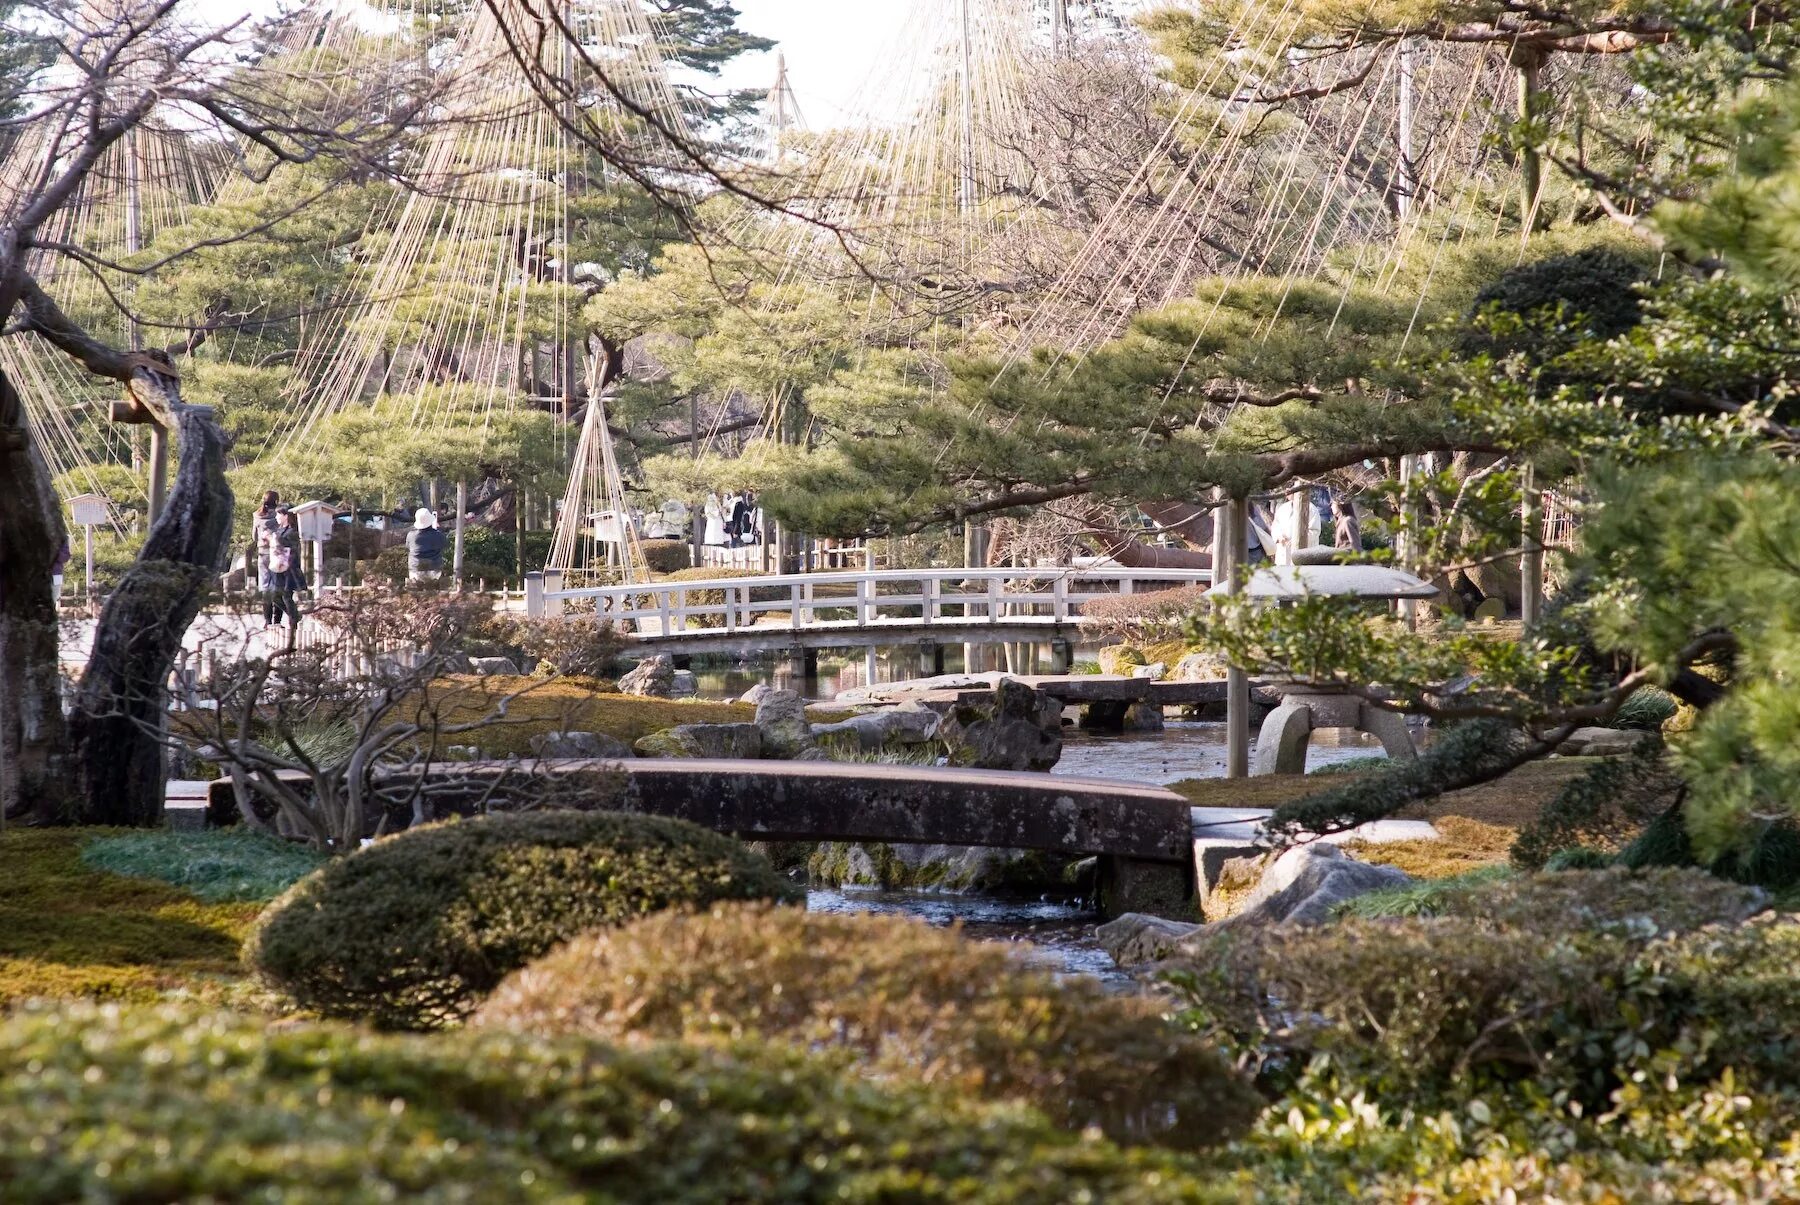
pixel 781 715
pixel 1138 937
pixel 684 684
pixel 902 727
pixel 1119 659
pixel 755 694
pixel 653 677
pixel 1199 667
pixel 1143 717
pixel 579 744
pixel 494 666
pixel 1017 728
pixel 1304 884
pixel 735 741
pixel 1603 742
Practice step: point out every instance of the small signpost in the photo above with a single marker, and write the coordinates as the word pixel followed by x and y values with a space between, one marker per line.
pixel 90 511
pixel 610 532
pixel 315 521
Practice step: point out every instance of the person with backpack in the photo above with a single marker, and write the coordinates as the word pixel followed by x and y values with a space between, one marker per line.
pixel 424 549
pixel 279 568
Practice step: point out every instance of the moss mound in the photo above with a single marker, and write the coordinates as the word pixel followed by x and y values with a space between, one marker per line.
pixel 901 998
pixel 410 932
pixel 166 1104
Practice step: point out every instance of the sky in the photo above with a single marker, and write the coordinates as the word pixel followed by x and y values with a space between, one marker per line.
pixel 832 46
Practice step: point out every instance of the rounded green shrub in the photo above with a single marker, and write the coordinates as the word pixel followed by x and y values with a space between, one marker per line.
pixel 1578 980
pixel 666 556
pixel 410 932
pixel 172 1104
pixel 899 997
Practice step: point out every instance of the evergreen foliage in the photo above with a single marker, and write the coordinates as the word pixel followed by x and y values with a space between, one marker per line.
pixel 902 999
pixel 174 1104
pixel 411 932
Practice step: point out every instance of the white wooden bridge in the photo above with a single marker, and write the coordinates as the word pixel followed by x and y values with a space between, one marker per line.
pixel 856 608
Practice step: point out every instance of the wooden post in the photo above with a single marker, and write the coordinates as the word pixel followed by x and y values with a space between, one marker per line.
pixel 87 582
pixel 1229 543
pixel 456 555
pixel 159 471
pixel 1406 540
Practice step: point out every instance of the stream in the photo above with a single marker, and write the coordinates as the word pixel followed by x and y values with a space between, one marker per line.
pixel 1061 930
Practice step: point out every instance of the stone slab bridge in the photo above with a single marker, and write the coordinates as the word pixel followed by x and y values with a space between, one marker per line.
pixel 1142 835
pixel 852 609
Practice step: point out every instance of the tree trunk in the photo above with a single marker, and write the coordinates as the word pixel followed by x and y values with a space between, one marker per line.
pixel 124 694
pixel 36 780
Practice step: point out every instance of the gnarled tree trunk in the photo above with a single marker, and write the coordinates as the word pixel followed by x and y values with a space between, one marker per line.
pixel 124 693
pixel 37 784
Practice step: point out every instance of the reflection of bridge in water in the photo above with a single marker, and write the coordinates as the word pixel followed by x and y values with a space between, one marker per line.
pixel 805 612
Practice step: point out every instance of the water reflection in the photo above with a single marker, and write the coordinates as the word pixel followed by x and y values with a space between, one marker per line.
pixel 1187 749
pixel 1061 932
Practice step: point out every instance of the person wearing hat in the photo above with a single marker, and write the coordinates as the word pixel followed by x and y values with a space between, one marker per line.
pixel 424 549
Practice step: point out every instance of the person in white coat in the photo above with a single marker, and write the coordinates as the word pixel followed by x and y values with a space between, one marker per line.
pixel 715 519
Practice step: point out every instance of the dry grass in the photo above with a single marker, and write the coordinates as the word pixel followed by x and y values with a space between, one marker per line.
pixel 1462 845
pixel 1476 826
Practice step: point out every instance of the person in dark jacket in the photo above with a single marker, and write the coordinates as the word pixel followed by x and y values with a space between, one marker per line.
pixel 425 549
pixel 278 565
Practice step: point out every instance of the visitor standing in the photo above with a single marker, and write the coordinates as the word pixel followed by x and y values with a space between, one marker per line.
pixel 280 570
pixel 753 518
pixel 738 526
pixel 424 549
pixel 715 519
pixel 261 522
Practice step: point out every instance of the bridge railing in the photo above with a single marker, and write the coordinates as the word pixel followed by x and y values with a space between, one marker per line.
pixel 850 599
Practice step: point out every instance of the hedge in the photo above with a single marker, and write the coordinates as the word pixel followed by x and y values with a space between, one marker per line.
pixel 167 1104
pixel 901 998
pixel 410 932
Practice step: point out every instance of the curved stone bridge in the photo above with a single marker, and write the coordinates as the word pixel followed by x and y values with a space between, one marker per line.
pixel 1142 834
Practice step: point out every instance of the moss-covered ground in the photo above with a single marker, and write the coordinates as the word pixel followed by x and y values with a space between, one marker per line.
pixel 71 930
pixel 574 705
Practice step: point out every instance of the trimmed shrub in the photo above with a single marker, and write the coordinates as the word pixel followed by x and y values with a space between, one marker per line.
pixel 169 1104
pixel 666 556
pixel 577 644
pixel 898 996
pixel 410 932
pixel 716 598
pixel 1572 979
pixel 1155 614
